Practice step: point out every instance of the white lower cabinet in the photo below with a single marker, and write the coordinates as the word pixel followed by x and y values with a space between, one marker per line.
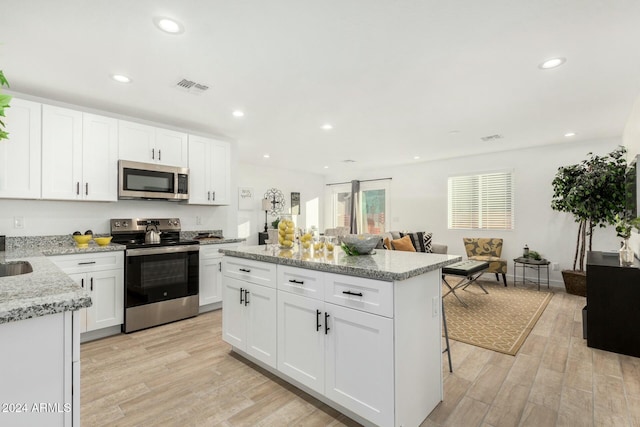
pixel 210 284
pixel 249 318
pixel 39 368
pixel 370 348
pixel 102 274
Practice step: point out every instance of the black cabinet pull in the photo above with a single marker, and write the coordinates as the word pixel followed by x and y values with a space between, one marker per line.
pixel 246 297
pixel 91 281
pixel 299 282
pixel 326 323
pixel 358 294
pixel 82 282
pixel 219 266
pixel 213 195
pixel 86 189
pixel 153 153
pixel 245 270
pixel 78 188
pixel 241 296
pixel 86 263
pixel 159 154
pixel 318 325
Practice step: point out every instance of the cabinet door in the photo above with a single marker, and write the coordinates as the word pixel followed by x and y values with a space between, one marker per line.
pixel 171 148
pixel 234 323
pixel 20 154
pixel 61 153
pixel 210 279
pixel 301 339
pixel 261 323
pixel 199 170
pixel 107 294
pixel 99 158
pixel 136 142
pixel 81 279
pixel 359 363
pixel 220 169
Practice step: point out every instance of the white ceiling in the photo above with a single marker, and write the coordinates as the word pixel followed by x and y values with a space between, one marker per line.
pixel 394 77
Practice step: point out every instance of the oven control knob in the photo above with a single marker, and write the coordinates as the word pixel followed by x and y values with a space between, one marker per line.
pixel 116 224
pixel 125 224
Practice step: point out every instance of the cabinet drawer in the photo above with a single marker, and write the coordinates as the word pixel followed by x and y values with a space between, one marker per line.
pixel 309 283
pixel 79 263
pixel 261 273
pixel 372 296
pixel 211 251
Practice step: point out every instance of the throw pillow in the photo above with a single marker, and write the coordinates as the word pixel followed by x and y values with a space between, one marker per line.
pixel 403 244
pixel 387 244
pixel 421 240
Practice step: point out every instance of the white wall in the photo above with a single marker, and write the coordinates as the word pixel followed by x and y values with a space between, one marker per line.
pixel 261 178
pixel 631 139
pixel 418 198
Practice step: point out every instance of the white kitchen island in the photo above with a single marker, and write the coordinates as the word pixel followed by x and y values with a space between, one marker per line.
pixel 360 333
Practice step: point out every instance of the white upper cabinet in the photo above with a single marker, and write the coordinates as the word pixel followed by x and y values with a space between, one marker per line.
pixel 149 144
pixel 79 155
pixel 20 154
pixel 209 171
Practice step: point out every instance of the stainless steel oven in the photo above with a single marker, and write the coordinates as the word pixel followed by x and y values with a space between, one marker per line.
pixel 161 278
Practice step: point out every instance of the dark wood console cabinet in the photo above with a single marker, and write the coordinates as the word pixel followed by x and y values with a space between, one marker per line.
pixel 613 304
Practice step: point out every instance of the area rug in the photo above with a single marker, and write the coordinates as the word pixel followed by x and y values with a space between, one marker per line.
pixel 500 320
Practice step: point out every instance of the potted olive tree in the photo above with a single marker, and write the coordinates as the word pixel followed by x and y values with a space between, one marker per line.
pixel 4 103
pixel 594 192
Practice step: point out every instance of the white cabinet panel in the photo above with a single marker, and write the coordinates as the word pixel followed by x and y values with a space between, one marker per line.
pixel 261 323
pixel 359 363
pixel 209 171
pixel 301 339
pixel 20 155
pixel 149 144
pixel 99 157
pixel 210 280
pixel 79 155
pixel 234 319
pixel 61 153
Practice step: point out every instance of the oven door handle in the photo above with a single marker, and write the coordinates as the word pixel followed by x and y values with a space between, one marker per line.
pixel 162 250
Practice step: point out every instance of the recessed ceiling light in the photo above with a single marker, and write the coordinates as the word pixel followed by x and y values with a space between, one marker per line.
pixel 168 25
pixel 327 126
pixel 569 134
pixel 454 132
pixel 238 113
pixel 416 157
pixel 552 63
pixel 326 167
pixel 266 156
pixel 121 78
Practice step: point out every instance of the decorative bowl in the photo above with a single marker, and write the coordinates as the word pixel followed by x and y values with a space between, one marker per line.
pixel 361 243
pixel 103 241
pixel 82 241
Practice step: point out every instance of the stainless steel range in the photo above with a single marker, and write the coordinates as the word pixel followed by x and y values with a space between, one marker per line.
pixel 161 272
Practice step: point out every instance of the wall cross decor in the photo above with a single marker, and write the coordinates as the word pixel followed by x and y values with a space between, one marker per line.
pixel 276 198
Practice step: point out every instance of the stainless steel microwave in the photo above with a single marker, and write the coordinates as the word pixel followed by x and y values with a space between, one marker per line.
pixel 150 181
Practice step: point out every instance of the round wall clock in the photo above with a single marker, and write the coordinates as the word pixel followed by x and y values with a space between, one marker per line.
pixel 276 198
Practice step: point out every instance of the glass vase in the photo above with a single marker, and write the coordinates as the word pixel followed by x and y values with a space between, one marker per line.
pixel 626 254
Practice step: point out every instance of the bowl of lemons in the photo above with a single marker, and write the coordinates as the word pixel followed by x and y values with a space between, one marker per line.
pixel 82 240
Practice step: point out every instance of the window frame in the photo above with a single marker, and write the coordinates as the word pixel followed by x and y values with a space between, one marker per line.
pixel 335 189
pixel 482 220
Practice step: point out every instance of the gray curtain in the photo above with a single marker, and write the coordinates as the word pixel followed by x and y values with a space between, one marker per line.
pixel 355 206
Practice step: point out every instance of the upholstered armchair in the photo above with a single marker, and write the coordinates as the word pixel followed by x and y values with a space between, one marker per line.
pixel 489 250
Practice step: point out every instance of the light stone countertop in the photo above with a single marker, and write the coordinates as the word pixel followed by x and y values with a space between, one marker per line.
pixel 47 290
pixel 381 265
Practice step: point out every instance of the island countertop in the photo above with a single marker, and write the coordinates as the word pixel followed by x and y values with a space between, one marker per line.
pixel 381 264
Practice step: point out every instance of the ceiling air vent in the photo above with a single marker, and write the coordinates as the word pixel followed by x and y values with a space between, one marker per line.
pixel 491 137
pixel 191 86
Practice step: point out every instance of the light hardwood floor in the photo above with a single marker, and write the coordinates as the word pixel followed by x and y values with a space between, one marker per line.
pixel 183 374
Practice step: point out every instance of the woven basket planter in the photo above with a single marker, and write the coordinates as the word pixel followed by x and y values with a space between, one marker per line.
pixel 575 282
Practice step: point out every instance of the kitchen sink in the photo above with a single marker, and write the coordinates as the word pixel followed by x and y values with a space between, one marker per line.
pixel 13 268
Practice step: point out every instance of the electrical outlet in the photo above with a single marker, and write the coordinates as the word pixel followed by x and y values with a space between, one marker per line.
pixel 18 222
pixel 435 306
pixel 198 220
pixel 554 266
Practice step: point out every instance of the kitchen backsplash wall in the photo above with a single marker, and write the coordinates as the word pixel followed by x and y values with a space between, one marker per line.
pixel 43 217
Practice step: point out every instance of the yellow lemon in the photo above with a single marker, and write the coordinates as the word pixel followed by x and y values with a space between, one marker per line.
pixel 289 236
pixel 287 243
pixel 282 225
pixel 306 245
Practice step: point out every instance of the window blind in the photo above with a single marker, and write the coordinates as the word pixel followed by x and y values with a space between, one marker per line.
pixel 481 201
